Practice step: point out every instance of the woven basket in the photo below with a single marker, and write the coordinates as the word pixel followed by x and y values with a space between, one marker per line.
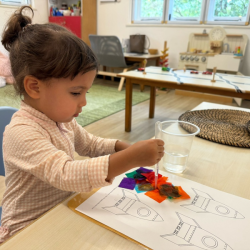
pixel 225 126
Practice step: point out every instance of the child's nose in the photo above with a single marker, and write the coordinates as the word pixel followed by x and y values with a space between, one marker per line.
pixel 83 102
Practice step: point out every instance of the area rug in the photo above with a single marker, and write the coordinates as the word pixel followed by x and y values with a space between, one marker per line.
pixel 102 101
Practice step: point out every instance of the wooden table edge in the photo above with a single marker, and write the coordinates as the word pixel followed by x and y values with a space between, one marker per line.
pixel 1 244
pixel 79 199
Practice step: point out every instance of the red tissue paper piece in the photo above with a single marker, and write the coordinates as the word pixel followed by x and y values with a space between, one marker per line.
pixel 151 176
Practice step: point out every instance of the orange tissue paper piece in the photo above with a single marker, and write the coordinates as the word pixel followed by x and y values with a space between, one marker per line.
pixel 161 180
pixel 155 195
pixel 183 194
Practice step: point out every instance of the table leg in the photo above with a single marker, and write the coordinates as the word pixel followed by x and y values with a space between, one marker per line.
pixel 128 105
pixel 141 65
pixel 104 69
pixel 157 62
pixel 152 102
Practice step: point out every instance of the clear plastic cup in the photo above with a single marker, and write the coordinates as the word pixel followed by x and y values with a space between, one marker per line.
pixel 178 137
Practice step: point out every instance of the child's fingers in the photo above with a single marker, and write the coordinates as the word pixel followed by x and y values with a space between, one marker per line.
pixel 160 142
pixel 161 154
pixel 160 149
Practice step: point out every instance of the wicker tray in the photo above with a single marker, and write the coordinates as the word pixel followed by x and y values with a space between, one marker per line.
pixel 225 126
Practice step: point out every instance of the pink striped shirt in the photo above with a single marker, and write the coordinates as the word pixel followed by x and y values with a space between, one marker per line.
pixel 40 168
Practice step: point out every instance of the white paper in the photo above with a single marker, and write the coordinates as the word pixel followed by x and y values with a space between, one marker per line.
pixel 210 219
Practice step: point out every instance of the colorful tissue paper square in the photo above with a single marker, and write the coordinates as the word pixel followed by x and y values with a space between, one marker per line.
pixel 144 170
pixel 145 187
pixel 144 181
pixel 155 195
pixel 138 191
pixel 139 177
pixel 128 183
pixel 151 176
pixel 169 190
pixel 183 194
pixel 131 174
pixel 173 192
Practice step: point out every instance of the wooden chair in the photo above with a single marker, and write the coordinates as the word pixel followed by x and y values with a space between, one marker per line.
pixel 108 50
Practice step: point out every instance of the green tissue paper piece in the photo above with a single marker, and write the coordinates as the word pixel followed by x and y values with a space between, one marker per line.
pixel 131 174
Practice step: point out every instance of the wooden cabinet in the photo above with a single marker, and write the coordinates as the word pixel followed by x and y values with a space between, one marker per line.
pixel 72 23
pixel 83 25
pixel 89 19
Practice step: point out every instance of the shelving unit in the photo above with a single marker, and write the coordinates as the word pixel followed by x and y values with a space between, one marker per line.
pixel 230 35
pixel 83 25
pixel 200 34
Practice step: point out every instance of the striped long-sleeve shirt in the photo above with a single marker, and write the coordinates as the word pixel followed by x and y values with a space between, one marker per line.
pixel 40 170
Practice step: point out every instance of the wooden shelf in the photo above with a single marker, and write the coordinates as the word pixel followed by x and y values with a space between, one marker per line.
pixel 234 35
pixel 200 34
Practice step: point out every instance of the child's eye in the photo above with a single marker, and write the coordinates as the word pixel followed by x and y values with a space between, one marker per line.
pixel 75 94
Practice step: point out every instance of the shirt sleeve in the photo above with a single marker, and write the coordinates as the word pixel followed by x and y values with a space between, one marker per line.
pixel 27 149
pixel 87 144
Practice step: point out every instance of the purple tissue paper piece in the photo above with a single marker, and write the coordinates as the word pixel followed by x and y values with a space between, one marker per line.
pixel 143 170
pixel 128 183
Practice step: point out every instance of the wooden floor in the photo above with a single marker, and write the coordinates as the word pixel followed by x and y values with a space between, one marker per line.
pixel 168 107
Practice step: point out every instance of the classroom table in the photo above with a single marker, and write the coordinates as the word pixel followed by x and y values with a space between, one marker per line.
pixel 134 57
pixel 222 167
pixel 226 85
pixel 131 58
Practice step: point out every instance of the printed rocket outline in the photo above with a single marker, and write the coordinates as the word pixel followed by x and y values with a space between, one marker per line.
pixel 189 233
pixel 129 204
pixel 204 203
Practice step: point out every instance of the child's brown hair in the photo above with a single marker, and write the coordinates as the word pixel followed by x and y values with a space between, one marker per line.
pixel 44 51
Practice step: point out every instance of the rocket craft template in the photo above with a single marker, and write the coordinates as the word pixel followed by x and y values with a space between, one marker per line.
pixel 204 203
pixel 129 204
pixel 189 233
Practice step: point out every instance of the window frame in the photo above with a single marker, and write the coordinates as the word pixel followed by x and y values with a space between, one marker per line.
pixel 187 20
pixel 205 17
pixel 210 19
pixel 135 4
pixel 15 2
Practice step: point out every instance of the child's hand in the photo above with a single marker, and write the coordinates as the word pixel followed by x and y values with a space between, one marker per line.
pixel 142 153
pixel 146 153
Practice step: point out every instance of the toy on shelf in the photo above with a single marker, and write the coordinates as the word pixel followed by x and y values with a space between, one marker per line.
pixel 194 72
pixel 238 51
pixel 164 59
pixel 207 73
pixel 214 71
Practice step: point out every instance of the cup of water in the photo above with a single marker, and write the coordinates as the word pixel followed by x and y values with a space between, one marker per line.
pixel 178 137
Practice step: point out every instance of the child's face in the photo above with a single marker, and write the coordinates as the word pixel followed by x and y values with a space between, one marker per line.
pixel 63 98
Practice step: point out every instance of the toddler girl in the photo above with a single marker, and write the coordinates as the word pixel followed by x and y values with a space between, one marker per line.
pixel 53 70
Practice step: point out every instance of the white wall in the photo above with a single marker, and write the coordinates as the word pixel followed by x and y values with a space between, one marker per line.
pixel 40 15
pixel 115 19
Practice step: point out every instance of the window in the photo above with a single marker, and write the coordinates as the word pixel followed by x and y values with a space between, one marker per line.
pixel 15 2
pixel 228 11
pixel 149 11
pixel 234 12
pixel 185 11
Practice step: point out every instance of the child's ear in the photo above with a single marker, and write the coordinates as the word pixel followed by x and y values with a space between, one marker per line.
pixel 32 86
